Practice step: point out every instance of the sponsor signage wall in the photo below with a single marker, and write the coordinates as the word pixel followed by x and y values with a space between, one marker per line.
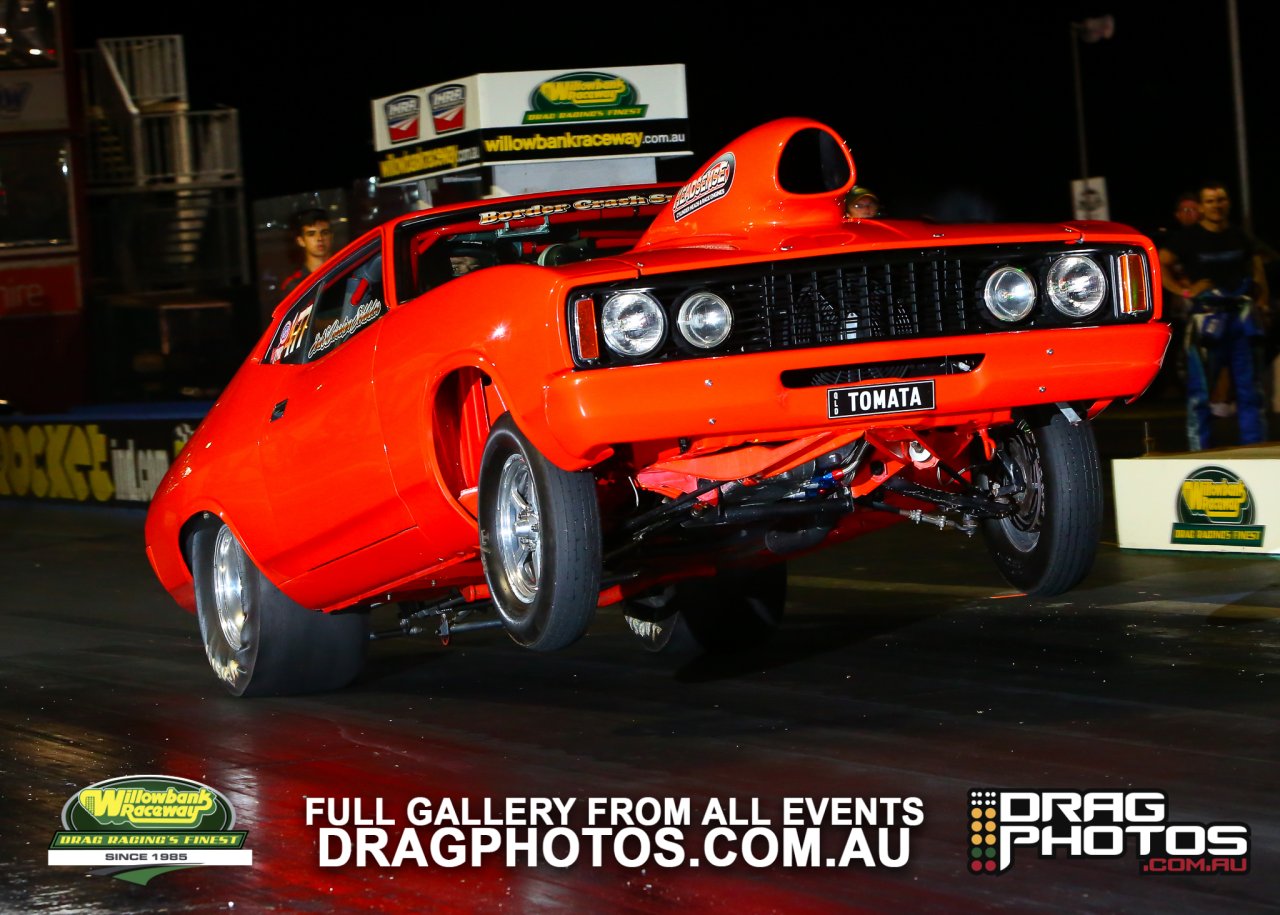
pixel 1226 500
pixel 531 116
pixel 106 461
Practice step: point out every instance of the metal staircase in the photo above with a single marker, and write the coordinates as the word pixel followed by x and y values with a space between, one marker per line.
pixel 165 181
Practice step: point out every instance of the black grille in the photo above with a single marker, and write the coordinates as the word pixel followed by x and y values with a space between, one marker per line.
pixel 866 301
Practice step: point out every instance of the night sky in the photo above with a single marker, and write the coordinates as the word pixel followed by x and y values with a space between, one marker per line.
pixel 934 98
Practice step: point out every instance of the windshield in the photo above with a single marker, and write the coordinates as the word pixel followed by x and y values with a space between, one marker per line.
pixel 559 230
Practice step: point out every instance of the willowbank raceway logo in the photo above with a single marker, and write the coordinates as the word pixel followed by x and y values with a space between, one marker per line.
pixel 1098 824
pixel 1216 508
pixel 137 827
pixel 584 96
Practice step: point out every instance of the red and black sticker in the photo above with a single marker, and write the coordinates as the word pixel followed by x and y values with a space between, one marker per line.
pixel 708 187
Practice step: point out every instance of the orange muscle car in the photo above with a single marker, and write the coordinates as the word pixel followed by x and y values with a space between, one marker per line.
pixel 513 412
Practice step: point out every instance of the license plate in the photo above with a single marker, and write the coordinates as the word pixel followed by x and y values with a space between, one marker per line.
pixel 873 399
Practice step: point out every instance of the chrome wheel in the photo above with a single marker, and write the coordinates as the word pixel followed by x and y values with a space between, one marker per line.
pixel 519 529
pixel 228 590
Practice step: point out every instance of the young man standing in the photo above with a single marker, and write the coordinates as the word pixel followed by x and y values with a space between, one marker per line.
pixel 1217 267
pixel 314 236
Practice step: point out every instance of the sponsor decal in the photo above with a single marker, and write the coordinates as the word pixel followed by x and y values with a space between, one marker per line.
pixel 708 187
pixel 13 99
pixel 584 96
pixel 448 107
pixel 871 399
pixel 423 161
pixel 491 217
pixel 292 332
pixel 138 827
pixel 340 330
pixel 1098 824
pixel 404 118
pixel 1216 508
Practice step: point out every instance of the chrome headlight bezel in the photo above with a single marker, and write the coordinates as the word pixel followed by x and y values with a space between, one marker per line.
pixel 633 323
pixel 691 320
pixel 1004 304
pixel 1076 285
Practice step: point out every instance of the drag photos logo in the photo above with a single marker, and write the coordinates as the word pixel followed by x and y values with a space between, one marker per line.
pixel 137 827
pixel 1098 824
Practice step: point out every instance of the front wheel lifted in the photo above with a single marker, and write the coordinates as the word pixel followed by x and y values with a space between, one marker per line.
pixel 257 640
pixel 1047 544
pixel 540 541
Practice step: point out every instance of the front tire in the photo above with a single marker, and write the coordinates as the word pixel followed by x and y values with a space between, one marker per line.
pixel 257 640
pixel 1048 544
pixel 540 541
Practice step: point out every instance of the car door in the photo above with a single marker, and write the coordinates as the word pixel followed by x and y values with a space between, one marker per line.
pixel 322 455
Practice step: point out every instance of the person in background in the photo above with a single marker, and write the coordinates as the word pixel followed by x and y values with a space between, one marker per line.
pixel 314 236
pixel 1186 211
pixel 1217 267
pixel 861 204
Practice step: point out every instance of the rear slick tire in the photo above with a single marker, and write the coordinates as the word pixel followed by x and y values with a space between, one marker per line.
pixel 539 540
pixel 257 640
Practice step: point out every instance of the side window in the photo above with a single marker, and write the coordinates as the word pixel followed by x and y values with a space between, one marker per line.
pixel 347 301
pixel 338 307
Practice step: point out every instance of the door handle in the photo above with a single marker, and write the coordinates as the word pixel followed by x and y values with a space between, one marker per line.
pixel 278 411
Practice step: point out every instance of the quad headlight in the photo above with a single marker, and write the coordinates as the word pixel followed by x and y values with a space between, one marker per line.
pixel 1077 285
pixel 633 323
pixel 1009 294
pixel 705 320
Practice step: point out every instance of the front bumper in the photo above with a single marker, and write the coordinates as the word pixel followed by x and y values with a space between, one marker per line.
pixel 743 396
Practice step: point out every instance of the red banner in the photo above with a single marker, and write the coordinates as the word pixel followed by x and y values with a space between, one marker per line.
pixel 39 288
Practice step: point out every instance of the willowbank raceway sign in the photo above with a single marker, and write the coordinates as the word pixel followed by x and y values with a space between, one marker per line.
pixel 531 116
pixel 138 827
pixel 1227 500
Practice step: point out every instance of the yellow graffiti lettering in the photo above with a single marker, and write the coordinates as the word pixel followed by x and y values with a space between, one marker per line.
pixel 54 453
pixel 19 463
pixel 55 461
pixel 99 478
pixel 77 456
pixel 39 479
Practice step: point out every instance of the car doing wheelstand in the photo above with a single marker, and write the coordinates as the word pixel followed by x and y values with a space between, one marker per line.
pixel 646 398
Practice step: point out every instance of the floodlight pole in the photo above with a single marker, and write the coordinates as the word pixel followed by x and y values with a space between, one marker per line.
pixel 1237 85
pixel 1075 64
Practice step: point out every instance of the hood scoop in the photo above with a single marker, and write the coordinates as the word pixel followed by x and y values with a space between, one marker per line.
pixel 793 172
